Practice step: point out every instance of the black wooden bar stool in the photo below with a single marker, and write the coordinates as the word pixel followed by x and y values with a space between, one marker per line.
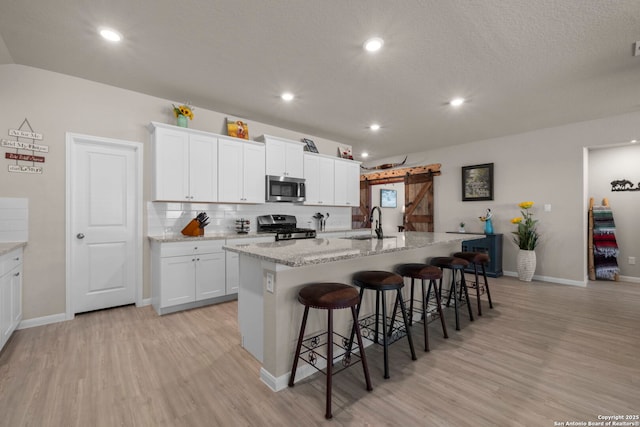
pixel 380 282
pixel 455 265
pixel 329 296
pixel 423 272
pixel 478 259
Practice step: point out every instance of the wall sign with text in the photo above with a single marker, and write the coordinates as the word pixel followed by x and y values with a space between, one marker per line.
pixel 23 148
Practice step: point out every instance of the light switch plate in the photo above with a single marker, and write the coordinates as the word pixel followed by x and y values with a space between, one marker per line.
pixel 547 207
pixel 270 282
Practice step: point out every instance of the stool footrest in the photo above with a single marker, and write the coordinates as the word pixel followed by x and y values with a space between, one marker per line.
pixel 311 354
pixel 368 329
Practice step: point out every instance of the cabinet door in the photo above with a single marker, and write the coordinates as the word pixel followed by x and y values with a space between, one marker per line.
pixel 171 165
pixel 293 160
pixel 210 275
pixel 327 177
pixel 353 184
pixel 16 297
pixel 232 272
pixel 203 168
pixel 230 174
pixel 177 280
pixel 340 183
pixel 312 179
pixel 275 157
pixel 5 308
pixel 254 173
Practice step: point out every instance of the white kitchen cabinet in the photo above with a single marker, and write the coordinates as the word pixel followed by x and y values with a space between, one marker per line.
pixel 347 183
pixel 241 171
pixel 283 157
pixel 319 179
pixel 186 273
pixel 10 294
pixel 233 262
pixel 185 164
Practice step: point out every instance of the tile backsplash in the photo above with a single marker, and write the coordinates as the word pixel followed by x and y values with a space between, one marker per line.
pixel 168 219
pixel 14 219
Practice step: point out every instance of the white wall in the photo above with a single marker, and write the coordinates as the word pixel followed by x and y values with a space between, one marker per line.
pixel 606 165
pixel 545 166
pixel 55 104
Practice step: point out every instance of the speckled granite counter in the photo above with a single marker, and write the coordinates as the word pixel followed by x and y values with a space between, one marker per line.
pixel 7 247
pixel 271 274
pixel 297 253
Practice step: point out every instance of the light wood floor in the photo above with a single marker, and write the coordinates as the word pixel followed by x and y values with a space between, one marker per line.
pixel 545 353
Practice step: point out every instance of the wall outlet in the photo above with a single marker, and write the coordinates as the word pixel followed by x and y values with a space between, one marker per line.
pixel 632 260
pixel 270 280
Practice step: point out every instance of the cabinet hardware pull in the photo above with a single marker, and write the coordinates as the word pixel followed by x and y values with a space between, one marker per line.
pixel 17 274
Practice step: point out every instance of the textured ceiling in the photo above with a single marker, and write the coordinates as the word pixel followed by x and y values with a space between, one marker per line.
pixel 522 64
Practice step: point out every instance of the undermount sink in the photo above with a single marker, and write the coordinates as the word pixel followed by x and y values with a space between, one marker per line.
pixel 366 237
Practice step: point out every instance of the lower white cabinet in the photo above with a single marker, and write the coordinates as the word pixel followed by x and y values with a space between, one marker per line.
pixel 233 261
pixel 186 272
pixel 10 294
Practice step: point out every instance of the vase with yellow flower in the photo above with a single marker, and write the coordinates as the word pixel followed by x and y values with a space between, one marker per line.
pixel 182 113
pixel 526 237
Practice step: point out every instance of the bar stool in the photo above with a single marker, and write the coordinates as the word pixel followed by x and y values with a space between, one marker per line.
pixel 455 265
pixel 423 272
pixel 380 282
pixel 329 296
pixel 478 259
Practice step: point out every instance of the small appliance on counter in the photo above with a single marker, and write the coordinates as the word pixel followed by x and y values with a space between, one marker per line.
pixel 196 226
pixel 284 227
pixel 242 226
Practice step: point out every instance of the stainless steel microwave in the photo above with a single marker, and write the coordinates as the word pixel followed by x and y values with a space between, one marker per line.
pixel 285 189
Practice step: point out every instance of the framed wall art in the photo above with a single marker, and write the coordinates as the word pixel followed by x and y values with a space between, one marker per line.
pixel 477 182
pixel 388 198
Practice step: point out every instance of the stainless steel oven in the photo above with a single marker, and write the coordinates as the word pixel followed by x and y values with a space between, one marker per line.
pixel 285 189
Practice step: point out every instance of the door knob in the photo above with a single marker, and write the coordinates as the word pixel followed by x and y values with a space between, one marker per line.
pixel 80 236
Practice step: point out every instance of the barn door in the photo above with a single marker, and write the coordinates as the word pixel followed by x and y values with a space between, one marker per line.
pixel 360 215
pixel 418 196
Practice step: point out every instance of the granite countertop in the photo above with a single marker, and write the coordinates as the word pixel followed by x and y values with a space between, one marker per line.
pixel 297 253
pixel 6 247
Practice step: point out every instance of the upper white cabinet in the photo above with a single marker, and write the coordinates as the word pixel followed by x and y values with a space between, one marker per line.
pixel 284 157
pixel 185 164
pixel 319 179
pixel 241 171
pixel 347 183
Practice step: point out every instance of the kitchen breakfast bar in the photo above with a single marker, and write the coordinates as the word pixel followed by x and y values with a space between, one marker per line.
pixel 271 274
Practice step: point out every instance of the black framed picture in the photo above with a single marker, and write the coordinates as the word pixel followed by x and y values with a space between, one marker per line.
pixel 477 182
pixel 311 147
pixel 388 198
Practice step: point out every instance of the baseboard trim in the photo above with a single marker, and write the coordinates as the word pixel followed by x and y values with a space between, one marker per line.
pixel 144 302
pixel 41 321
pixel 629 279
pixel 551 279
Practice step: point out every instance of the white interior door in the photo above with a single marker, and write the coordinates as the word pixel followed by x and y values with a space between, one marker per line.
pixel 104 193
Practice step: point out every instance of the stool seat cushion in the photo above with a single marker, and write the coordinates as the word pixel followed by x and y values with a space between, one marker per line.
pixel 378 280
pixel 419 271
pixel 473 257
pixel 449 262
pixel 329 295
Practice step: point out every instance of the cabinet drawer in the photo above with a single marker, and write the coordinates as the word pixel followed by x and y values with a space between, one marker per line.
pixel 10 261
pixel 191 248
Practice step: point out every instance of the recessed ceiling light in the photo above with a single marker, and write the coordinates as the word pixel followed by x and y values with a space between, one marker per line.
pixel 374 126
pixel 633 141
pixel 110 34
pixel 287 96
pixel 365 154
pixel 456 102
pixel 373 44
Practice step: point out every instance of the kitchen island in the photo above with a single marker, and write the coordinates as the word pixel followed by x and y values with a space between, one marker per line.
pixel 271 274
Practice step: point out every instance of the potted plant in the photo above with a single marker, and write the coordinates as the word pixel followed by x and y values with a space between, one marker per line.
pixel 461 229
pixel 182 113
pixel 526 237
